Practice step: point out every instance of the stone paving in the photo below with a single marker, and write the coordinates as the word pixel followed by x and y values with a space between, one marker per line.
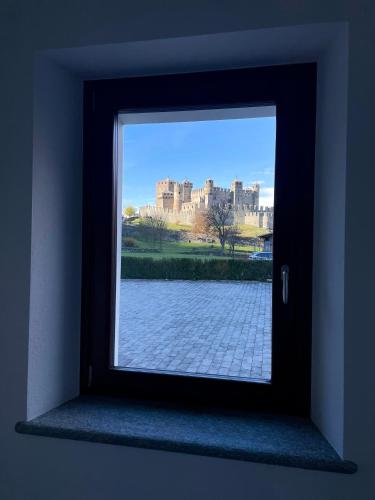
pixel 220 328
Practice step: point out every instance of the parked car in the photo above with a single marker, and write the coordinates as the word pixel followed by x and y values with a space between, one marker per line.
pixel 260 256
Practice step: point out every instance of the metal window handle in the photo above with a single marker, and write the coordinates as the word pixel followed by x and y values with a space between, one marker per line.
pixel 285 280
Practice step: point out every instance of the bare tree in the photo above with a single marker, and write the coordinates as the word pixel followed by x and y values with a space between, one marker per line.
pixel 160 229
pixel 145 230
pixel 154 229
pixel 219 220
pixel 200 224
pixel 233 238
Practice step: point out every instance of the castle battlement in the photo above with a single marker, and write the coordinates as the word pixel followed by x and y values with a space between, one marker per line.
pixel 179 202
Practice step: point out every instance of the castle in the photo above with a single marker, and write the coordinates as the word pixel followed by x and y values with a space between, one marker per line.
pixel 178 202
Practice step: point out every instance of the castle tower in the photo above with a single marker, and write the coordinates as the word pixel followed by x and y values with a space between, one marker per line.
pixel 208 186
pixel 256 188
pixel 208 192
pixel 237 189
pixel 164 186
pixel 187 187
pixel 177 196
pixel 165 200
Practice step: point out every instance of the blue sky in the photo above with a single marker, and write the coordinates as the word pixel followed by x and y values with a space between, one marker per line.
pixel 220 149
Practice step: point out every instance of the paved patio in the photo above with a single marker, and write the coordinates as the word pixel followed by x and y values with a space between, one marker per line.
pixel 198 327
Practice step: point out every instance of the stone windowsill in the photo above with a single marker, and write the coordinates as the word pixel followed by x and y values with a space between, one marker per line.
pixel 253 437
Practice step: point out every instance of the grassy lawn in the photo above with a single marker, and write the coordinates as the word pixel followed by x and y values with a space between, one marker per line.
pixel 178 227
pixel 246 231
pixel 184 249
pixel 194 249
pixel 170 226
pixel 179 249
pixel 166 255
pixel 252 231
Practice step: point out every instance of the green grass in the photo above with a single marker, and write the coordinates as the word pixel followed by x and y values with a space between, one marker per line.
pixel 185 249
pixel 170 225
pixel 178 227
pixel 246 230
pixel 170 255
pixel 176 249
pixel 252 231
pixel 195 250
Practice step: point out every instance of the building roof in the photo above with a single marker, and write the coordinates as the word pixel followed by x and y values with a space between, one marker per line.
pixel 266 236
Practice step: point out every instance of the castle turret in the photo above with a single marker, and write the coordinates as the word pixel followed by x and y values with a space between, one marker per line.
pixel 187 187
pixel 208 186
pixel 237 189
pixel 177 197
pixel 256 188
pixel 208 192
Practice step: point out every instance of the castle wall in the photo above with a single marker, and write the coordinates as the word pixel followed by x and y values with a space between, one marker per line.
pixel 178 202
pixel 249 197
pixel 184 216
pixel 188 212
pixel 221 195
pixel 197 195
pixel 258 218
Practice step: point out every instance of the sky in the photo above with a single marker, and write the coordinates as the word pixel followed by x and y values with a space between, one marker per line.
pixel 223 150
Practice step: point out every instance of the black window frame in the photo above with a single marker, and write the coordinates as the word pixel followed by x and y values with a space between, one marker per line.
pixel 292 89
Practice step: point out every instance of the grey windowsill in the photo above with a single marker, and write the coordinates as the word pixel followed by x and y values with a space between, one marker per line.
pixel 264 438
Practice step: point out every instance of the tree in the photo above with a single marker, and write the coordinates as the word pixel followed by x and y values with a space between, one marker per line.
pixel 153 228
pixel 160 228
pixel 129 211
pixel 219 220
pixel 200 224
pixel 233 238
pixel 144 229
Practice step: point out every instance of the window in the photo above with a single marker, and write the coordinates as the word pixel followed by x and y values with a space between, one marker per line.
pixel 190 302
pixel 139 337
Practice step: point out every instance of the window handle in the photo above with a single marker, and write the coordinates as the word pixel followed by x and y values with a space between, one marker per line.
pixel 285 280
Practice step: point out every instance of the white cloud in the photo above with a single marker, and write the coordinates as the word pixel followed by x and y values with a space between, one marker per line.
pixel 266 197
pixel 259 171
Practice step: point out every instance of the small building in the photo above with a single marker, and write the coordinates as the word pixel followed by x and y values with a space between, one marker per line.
pixel 267 240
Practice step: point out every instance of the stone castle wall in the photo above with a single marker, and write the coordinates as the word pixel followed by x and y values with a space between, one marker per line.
pixel 185 216
pixel 259 217
pixel 262 217
pixel 178 202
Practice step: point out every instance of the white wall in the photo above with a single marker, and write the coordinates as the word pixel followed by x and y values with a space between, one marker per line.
pixel 329 243
pixel 55 285
pixel 41 468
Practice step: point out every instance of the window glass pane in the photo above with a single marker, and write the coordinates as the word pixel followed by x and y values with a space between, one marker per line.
pixel 194 290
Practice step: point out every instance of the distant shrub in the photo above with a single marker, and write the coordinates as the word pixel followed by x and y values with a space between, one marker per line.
pixel 129 242
pixel 195 269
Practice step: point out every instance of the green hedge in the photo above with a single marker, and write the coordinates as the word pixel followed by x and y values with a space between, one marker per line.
pixel 195 269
